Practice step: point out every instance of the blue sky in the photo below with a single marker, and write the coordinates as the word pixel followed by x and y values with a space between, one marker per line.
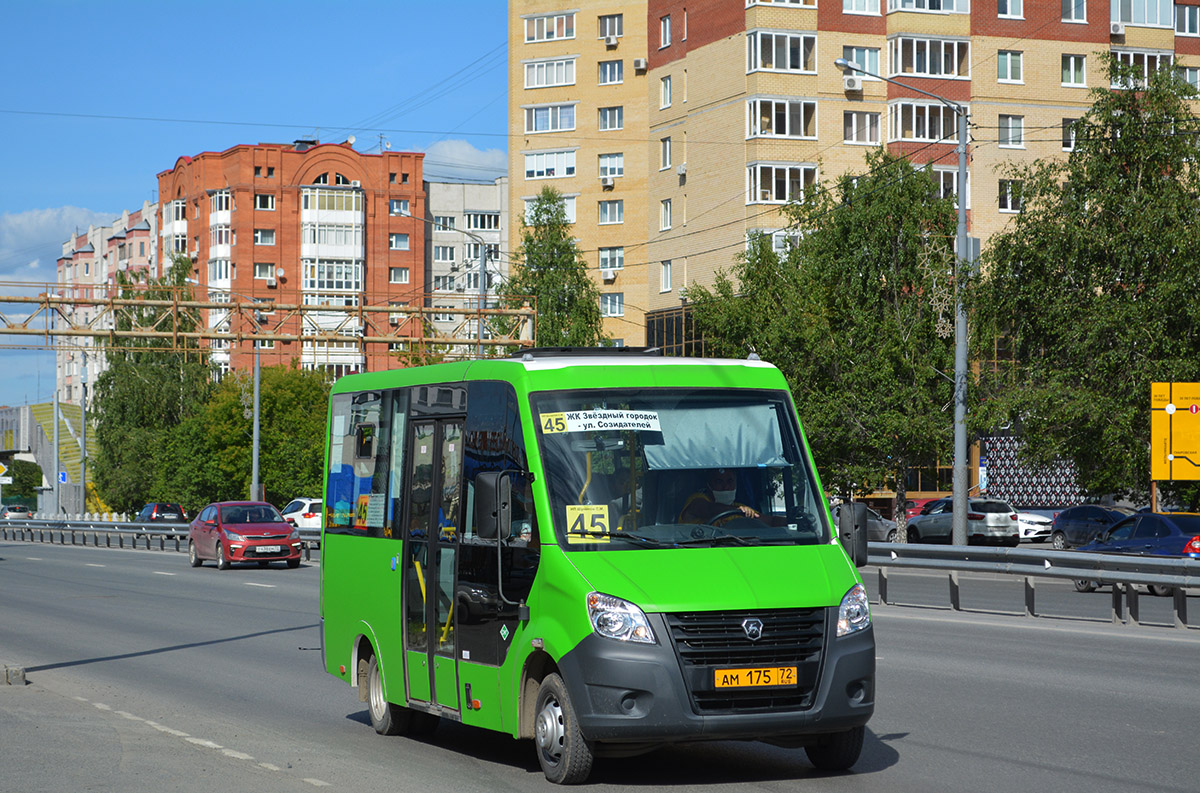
pixel 100 97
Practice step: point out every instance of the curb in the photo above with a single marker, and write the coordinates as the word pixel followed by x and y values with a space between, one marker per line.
pixel 12 675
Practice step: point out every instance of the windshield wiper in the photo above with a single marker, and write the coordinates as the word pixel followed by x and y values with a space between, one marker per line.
pixel 718 539
pixel 648 542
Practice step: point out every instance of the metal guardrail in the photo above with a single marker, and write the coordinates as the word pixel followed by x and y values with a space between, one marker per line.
pixel 119 535
pixel 1123 571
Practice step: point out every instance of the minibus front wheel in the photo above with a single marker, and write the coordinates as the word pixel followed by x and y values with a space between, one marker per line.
pixel 564 754
pixel 837 751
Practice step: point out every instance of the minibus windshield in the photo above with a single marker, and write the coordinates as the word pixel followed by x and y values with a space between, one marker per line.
pixel 665 468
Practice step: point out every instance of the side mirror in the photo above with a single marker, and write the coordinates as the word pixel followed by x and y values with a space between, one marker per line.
pixel 852 530
pixel 493 505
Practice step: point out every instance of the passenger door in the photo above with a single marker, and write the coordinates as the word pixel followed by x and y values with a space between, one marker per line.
pixel 434 523
pixel 938 523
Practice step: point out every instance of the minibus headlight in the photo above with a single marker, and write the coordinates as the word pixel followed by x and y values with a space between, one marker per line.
pixel 618 619
pixel 855 612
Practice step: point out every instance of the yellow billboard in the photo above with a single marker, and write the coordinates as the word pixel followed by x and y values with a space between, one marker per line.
pixel 1174 431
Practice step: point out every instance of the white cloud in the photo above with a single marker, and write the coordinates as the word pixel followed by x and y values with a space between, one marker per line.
pixel 31 241
pixel 458 159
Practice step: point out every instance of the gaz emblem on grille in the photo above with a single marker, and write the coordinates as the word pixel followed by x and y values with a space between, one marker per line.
pixel 753 629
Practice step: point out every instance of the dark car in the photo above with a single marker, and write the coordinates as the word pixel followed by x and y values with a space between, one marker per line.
pixel 242 531
pixel 162 511
pixel 1149 534
pixel 1081 524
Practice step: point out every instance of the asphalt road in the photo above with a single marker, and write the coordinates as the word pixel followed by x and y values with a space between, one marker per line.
pixel 147 675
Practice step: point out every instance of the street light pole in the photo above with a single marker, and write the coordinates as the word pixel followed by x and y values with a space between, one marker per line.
pixel 959 525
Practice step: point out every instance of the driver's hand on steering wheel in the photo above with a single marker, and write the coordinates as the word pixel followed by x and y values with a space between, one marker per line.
pixel 749 512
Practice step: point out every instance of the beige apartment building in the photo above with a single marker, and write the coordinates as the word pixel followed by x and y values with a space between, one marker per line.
pixel 742 109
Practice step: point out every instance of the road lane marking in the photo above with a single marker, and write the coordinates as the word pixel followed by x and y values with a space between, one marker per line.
pixel 264 586
pixel 101 706
pixel 236 755
pixel 129 716
pixel 168 730
pixel 160 572
pixel 317 783
pixel 90 564
pixel 207 744
pixel 33 559
pixel 269 767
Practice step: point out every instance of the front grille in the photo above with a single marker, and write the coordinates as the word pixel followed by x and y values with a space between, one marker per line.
pixel 708 641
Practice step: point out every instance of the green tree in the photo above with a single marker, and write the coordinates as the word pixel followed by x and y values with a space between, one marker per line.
pixel 144 394
pixel 1093 287
pixel 27 478
pixel 858 316
pixel 548 266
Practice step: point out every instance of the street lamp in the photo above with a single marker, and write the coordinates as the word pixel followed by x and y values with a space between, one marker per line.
pixel 482 275
pixel 959 536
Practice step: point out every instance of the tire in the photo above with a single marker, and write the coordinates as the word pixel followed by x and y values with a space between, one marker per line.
pixel 1059 541
pixel 222 562
pixel 891 537
pixel 564 754
pixel 387 718
pixel 1084 585
pixel 1160 591
pixel 293 563
pixel 193 555
pixel 913 535
pixel 838 751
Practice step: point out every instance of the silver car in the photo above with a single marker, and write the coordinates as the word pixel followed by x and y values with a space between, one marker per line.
pixel 989 522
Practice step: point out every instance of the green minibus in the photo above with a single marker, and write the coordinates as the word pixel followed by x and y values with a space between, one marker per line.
pixel 601 550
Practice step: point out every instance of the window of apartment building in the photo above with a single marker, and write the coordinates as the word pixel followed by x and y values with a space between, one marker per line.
pixel 612 212
pixel 443 283
pixel 472 254
pixel 220 235
pixel 860 127
pixel 264 344
pixel 1068 133
pixel 865 58
pixel 1190 75
pixel 612 25
pixel 612 164
pixel 257 171
pixel 780 52
pixel 270 171
pixel 801 3
pixel 141 249
pixel 1187 20
pixel 782 118
pixel 483 221
pixel 612 258
pixel 612 118
pixel 219 270
pixel 664 92
pixel 550 27
pixel 397 275
pixel 664 153
pixel 612 72
pixel 178 244
pixel 178 210
pixel 549 164
pixel 443 316
pixel 612 304
pixel 568 205
pixel 664 31
pixel 952 6
pixel 332 274
pixel 664 214
pixel 1010 8
pixel 1010 195
pixel 550 118
pixel 221 201
pixel 398 206
pixel 264 236
pixel 331 200
pixel 331 234
pixel 1143 63
pixel 543 74
pixel 1074 10
pixel 919 121
pixel 264 270
pixel 443 253
pixel 443 223
pixel 1008 66
pixel 1012 131
pixel 860 6
pixel 946 179
pixel 1156 13
pixel 929 57
pixel 264 201
pixel 1074 71
pixel 772 183
pixel 664 276
pixel 398 242
pixel 264 310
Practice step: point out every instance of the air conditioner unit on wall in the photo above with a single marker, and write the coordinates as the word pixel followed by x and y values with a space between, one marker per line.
pixel 682 169
pixel 640 64
pixel 606 181
pixel 851 82
pixel 272 283
pixel 356 183
pixel 608 275
pixel 610 41
pixel 1116 29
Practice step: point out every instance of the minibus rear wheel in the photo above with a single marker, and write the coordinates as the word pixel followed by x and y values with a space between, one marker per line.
pixel 386 717
pixel 563 752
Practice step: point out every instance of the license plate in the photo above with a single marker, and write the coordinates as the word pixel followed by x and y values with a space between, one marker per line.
pixel 755 677
pixel 269 548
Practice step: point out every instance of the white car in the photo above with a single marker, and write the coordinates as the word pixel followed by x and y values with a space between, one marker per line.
pixel 1034 527
pixel 303 513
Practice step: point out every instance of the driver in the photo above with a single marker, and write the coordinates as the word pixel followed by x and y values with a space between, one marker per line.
pixel 716 497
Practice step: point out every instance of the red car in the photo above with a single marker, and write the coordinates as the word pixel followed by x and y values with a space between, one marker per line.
pixel 242 531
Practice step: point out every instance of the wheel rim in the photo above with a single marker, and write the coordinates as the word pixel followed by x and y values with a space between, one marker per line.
pixel 375 692
pixel 220 555
pixel 1060 542
pixel 192 552
pixel 550 732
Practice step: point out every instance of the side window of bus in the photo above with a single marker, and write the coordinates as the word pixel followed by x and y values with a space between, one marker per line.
pixel 365 488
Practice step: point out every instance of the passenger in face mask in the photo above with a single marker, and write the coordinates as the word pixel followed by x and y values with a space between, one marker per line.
pixel 719 495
